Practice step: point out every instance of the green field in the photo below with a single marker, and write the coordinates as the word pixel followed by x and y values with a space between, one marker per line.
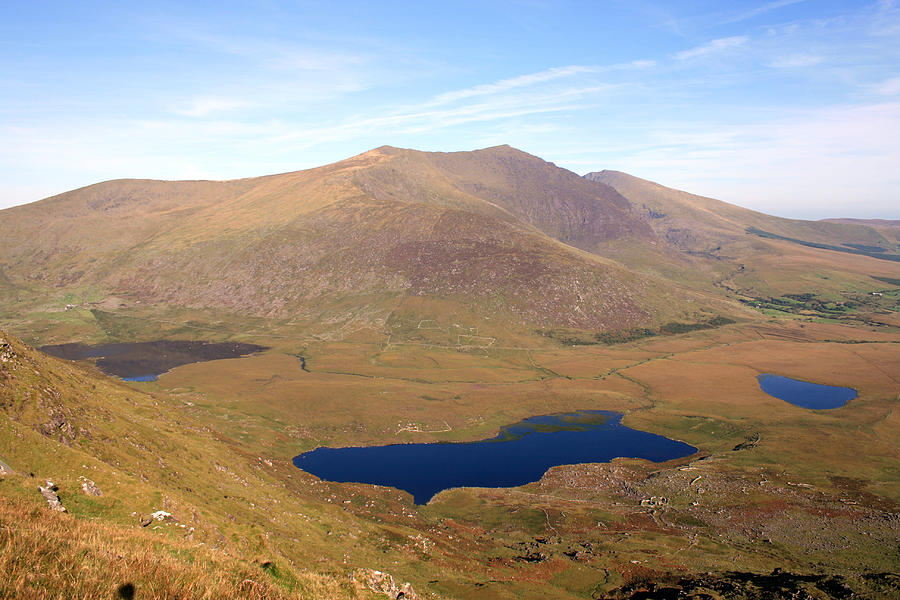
pixel 212 443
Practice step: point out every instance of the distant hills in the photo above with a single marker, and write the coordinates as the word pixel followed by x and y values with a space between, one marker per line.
pixel 869 222
pixel 493 234
pixel 692 222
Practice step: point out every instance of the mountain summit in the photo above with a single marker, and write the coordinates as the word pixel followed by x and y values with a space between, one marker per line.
pixel 497 232
pixel 493 235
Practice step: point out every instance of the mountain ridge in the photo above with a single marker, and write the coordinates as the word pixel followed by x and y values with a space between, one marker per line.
pixel 500 234
pixel 389 221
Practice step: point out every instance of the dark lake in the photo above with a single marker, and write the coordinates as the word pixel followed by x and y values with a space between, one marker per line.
pixel 520 454
pixel 804 393
pixel 145 361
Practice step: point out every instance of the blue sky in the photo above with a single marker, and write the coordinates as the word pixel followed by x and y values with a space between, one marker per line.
pixel 791 107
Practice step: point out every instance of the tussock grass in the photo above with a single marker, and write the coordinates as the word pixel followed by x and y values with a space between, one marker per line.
pixel 51 555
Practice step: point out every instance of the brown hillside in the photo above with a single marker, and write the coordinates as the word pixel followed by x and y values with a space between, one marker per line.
pixel 478 229
pixel 680 215
pixel 554 200
pixel 497 234
pixel 755 254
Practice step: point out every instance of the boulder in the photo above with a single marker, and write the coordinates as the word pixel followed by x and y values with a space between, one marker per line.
pixel 49 493
pixel 89 487
pixel 383 583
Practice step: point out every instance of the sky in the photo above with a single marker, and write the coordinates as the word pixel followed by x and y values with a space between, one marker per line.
pixel 791 107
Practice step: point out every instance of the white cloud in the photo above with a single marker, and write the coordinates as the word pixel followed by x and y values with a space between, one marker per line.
pixel 713 47
pixel 888 87
pixel 886 21
pixel 528 94
pixel 426 118
pixel 760 10
pixel 203 107
pixel 532 79
pixel 834 161
pixel 795 61
pixel 512 83
pixel 274 53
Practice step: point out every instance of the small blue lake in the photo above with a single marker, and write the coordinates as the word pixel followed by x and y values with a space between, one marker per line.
pixel 804 393
pixel 520 454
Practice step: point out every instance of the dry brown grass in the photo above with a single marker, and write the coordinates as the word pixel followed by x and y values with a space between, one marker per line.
pixel 52 555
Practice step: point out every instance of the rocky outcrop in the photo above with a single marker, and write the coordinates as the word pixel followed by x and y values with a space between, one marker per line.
pixel 159 515
pixel 89 487
pixel 6 351
pixel 382 583
pixel 7 363
pixel 49 493
pixel 58 425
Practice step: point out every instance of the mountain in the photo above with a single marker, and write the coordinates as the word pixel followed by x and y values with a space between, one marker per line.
pixel 497 232
pixel 692 222
pixel 758 255
pixel 495 239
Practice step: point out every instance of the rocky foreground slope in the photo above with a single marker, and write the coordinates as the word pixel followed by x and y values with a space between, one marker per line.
pixel 108 489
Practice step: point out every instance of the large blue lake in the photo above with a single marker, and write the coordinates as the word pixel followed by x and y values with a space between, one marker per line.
pixel 520 454
pixel 804 393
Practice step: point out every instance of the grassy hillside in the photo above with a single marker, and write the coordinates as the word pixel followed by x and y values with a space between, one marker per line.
pixel 344 243
pixel 669 210
pixel 211 444
pixel 755 257
pixel 144 454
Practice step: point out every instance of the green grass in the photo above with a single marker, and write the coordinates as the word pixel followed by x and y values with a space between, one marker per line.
pixel 849 250
pixel 890 280
pixel 583 338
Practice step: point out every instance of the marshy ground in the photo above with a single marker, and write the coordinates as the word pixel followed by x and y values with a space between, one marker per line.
pixel 813 494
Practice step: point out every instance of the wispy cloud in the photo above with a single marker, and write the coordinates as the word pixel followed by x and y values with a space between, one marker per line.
pixel 794 61
pixel 888 87
pixel 532 79
pixel 759 11
pixel 713 47
pixel 886 21
pixel 204 107
pixel 839 155
pixel 567 88
pixel 512 83
pixel 673 18
pixel 427 117
pixel 274 53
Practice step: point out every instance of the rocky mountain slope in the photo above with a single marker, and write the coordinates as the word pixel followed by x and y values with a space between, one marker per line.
pixel 698 224
pixel 494 236
pixel 496 231
pixel 753 256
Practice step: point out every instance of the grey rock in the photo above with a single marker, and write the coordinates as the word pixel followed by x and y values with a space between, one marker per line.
pixel 49 493
pixel 383 583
